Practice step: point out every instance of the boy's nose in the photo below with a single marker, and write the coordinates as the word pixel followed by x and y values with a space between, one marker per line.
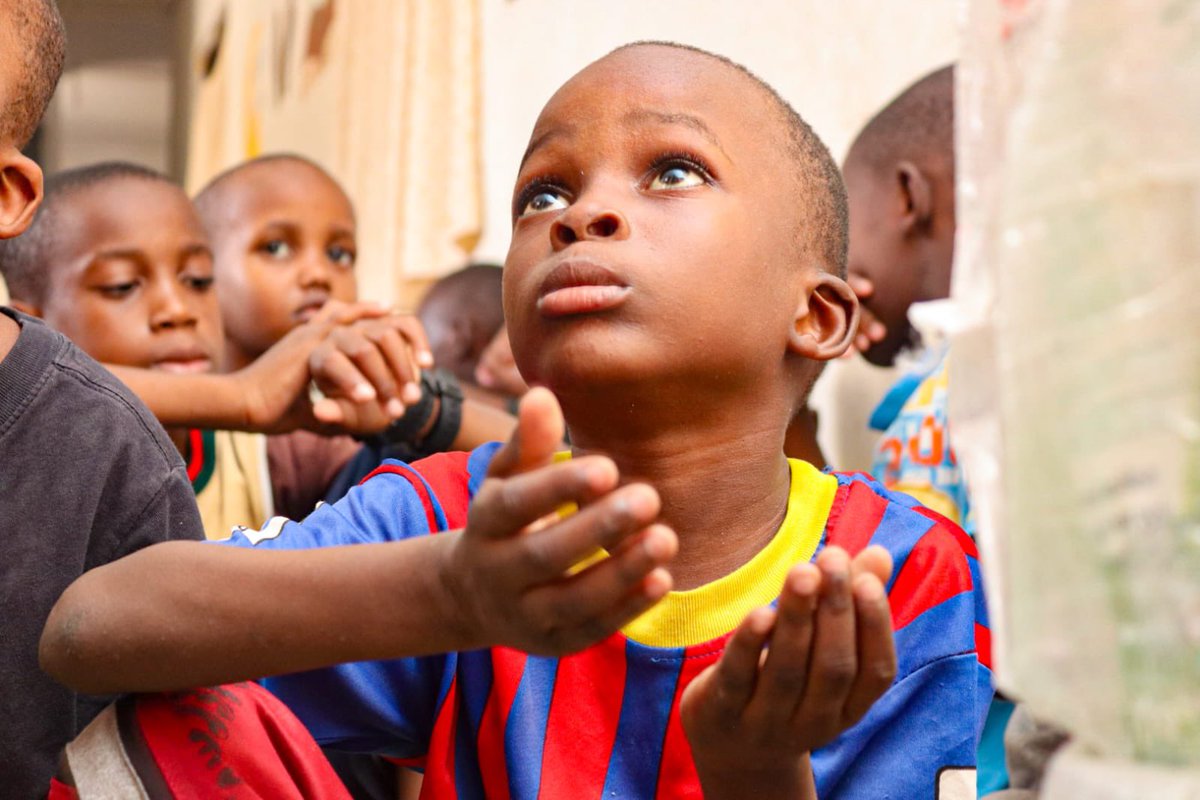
pixel 171 311
pixel 314 272
pixel 577 223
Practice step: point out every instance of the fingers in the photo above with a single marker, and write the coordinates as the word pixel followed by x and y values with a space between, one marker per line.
pixel 337 313
pixel 834 662
pixel 870 330
pixel 596 602
pixel 538 436
pixel 337 376
pixel 862 286
pixel 785 672
pixel 731 682
pixel 413 331
pixel 548 553
pixel 876 647
pixel 874 560
pixel 363 350
pixel 503 507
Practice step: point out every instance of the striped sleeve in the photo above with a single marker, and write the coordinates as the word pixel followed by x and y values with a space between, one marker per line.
pixel 386 707
pixel 927 724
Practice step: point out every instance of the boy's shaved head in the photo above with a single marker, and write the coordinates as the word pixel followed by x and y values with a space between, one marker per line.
pixel 24 261
pixel 35 45
pixel 214 195
pixel 461 314
pixel 917 126
pixel 900 173
pixel 819 182
pixel 284 241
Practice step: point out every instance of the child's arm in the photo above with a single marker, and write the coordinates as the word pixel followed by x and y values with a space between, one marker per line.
pixel 180 614
pixel 753 718
pixel 373 358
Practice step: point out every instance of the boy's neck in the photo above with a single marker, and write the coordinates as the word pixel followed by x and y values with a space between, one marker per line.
pixel 722 477
pixel 9 331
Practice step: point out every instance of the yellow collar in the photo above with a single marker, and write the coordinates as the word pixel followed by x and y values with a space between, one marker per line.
pixel 696 616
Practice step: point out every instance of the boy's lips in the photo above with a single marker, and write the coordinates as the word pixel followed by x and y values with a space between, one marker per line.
pixel 580 287
pixel 309 308
pixel 185 365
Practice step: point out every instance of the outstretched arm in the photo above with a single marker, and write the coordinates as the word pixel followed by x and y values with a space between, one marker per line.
pixel 187 614
pixel 373 359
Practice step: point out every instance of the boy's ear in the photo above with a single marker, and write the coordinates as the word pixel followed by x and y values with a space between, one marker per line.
pixel 826 319
pixel 20 191
pixel 916 195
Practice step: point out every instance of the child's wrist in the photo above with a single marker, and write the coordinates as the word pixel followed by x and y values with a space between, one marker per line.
pixel 452 597
pixel 776 781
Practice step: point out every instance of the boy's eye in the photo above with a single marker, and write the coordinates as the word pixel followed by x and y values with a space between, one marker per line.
pixel 276 248
pixel 116 291
pixel 199 283
pixel 341 256
pixel 543 200
pixel 678 176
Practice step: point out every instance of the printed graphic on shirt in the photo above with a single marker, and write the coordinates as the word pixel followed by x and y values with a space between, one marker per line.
pixel 915 455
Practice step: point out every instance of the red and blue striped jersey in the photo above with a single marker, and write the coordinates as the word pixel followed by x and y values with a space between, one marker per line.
pixel 604 722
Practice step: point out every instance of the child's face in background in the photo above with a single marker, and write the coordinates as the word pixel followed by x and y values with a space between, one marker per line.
pixel 879 253
pixel 132 277
pixel 285 245
pixel 655 228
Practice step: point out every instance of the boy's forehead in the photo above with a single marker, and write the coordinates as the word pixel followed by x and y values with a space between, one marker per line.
pixel 664 81
pixel 128 204
pixel 271 185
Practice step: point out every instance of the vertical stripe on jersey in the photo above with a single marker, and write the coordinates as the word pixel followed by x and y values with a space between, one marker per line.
pixel 507 668
pixel 439 764
pixel 677 776
pixel 475 684
pixel 582 724
pixel 856 513
pixel 651 681
pixel 525 733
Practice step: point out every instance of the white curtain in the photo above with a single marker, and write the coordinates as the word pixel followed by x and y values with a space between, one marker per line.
pixel 384 93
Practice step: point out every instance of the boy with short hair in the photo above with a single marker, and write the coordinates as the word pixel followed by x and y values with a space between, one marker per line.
pixel 86 475
pixel 117 260
pixel 900 181
pixel 284 240
pixel 461 313
pixel 673 278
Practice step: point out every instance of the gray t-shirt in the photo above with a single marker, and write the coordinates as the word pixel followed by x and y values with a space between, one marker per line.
pixel 87 475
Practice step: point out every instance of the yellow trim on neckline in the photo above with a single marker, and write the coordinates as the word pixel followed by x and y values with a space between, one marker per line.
pixel 696 616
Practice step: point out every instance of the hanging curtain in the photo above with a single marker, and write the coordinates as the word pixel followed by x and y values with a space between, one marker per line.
pixel 383 93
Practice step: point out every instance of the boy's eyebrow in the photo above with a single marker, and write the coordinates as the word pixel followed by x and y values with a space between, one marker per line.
pixel 135 254
pixel 642 115
pixel 198 249
pixel 538 141
pixel 123 253
pixel 636 117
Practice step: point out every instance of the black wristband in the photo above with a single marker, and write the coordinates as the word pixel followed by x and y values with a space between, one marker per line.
pixel 416 417
pixel 449 420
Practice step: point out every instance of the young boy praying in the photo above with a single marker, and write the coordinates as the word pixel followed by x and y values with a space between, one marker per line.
pixel 674 280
